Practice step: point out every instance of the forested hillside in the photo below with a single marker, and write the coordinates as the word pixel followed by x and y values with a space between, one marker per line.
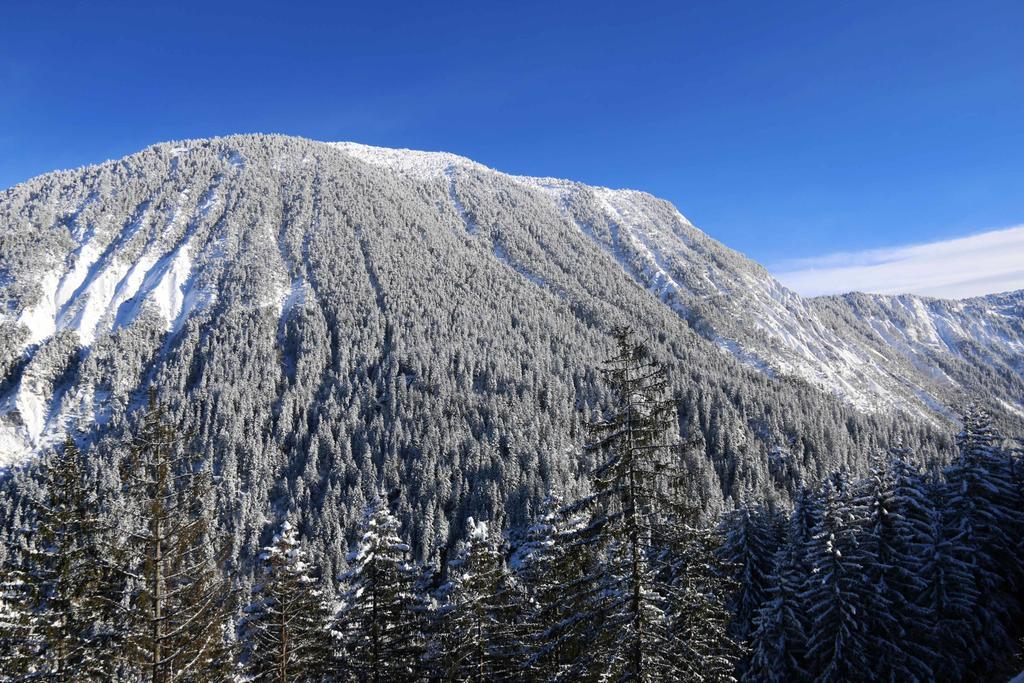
pixel 324 320
pixel 911 573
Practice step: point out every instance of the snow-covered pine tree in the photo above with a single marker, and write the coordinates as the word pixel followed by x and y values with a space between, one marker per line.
pixel 178 611
pixel 696 589
pixel 984 509
pixel 803 521
pixel 913 499
pixel 949 619
pixel 286 629
pixel 894 530
pixel 382 617
pixel 984 489
pixel 1015 453
pixel 16 647
pixel 651 578
pixel 779 642
pixel 748 546
pixel 59 618
pixel 553 565
pixel 479 631
pixel 836 594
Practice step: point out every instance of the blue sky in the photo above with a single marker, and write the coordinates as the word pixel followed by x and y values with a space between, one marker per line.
pixel 786 130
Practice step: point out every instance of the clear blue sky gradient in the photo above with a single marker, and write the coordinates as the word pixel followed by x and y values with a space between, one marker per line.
pixel 782 129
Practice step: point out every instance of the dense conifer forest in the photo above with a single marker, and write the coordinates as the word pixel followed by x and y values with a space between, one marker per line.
pixel 909 571
pixel 326 322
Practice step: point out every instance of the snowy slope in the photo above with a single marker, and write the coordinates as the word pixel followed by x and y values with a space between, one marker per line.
pixel 752 316
pixel 86 261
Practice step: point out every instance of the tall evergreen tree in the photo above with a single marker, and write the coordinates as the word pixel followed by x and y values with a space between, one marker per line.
pixel 16 647
pixel 382 618
pixel 553 564
pixel 178 613
pixel 286 628
pixel 836 594
pixel 59 622
pixel 479 630
pixel 650 566
pixel 987 522
pixel 749 544
pixel 985 494
pixel 893 534
pixel 949 596
pixel 696 591
pixel 779 641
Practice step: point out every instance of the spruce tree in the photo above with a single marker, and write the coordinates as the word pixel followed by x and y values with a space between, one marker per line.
pixel 749 544
pixel 779 641
pixel 987 522
pixel 285 630
pixel 836 594
pixel 59 623
pixel 382 617
pixel 696 590
pixel 16 648
pixel 949 597
pixel 893 531
pixel 178 606
pixel 479 630
pixel 553 564
pixel 984 492
pixel 652 598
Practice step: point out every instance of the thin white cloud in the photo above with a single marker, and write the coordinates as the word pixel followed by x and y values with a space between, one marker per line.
pixel 980 264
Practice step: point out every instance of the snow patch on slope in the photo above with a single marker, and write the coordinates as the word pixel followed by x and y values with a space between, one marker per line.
pixel 41 318
pixel 101 291
pixel 417 164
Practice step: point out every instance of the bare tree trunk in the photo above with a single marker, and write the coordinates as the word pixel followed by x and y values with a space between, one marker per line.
pixel 158 560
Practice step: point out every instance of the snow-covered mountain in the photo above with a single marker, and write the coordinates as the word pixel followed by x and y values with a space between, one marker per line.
pixel 902 346
pixel 254 270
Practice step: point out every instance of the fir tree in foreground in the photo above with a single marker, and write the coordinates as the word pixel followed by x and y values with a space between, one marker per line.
pixel 986 515
pixel 480 639
pixel 382 620
pixel 178 610
pixel 894 534
pixel 748 545
pixel 286 629
pixel 836 594
pixel 58 624
pixel 554 564
pixel 654 598
pixel 778 640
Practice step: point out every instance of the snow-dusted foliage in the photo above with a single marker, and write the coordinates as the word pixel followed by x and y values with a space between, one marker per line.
pixel 285 630
pixel 553 561
pixel 779 639
pixel 323 318
pixel 836 595
pixel 382 621
pixel 480 634
pixel 749 542
pixel 57 620
pixel 908 576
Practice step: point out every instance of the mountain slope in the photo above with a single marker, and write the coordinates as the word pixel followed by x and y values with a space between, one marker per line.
pixel 327 316
pixel 749 314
